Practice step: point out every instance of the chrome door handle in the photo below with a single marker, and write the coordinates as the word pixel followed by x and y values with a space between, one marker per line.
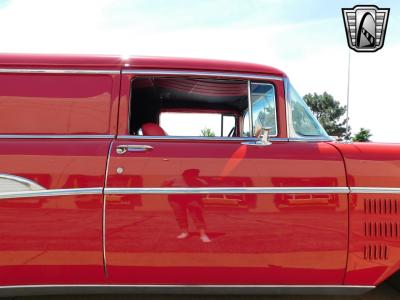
pixel 121 149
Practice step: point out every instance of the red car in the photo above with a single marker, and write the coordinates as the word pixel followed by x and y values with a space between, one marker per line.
pixel 183 175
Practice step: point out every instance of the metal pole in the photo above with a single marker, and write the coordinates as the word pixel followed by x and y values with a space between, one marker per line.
pixel 348 98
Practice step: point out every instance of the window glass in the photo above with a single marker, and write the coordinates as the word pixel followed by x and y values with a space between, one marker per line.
pixel 246 123
pixel 303 121
pixel 263 107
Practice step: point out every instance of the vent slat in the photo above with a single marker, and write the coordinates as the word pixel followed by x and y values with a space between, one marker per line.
pixel 376 252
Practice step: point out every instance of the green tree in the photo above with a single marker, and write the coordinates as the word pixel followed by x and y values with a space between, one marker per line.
pixel 329 113
pixel 363 135
pixel 207 132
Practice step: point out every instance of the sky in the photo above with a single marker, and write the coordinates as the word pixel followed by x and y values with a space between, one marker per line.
pixel 306 39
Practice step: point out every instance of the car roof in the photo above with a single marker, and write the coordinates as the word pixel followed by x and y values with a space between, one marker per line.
pixel 134 62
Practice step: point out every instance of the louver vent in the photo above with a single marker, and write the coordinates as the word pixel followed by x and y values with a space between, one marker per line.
pixel 381 226
pixel 381 229
pixel 381 206
pixel 376 252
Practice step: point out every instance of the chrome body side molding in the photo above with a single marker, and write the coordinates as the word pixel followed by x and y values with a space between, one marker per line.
pixel 10 183
pixel 167 72
pixel 31 290
pixel 374 190
pixel 229 190
pixel 57 71
pixel 51 193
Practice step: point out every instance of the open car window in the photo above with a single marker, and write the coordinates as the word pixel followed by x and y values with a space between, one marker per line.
pixel 201 107
pixel 197 124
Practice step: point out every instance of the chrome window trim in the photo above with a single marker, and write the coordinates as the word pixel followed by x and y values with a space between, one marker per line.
pixel 185 138
pixel 249 83
pixel 228 190
pixel 250 108
pixel 312 139
pixel 160 72
pixel 249 103
pixel 287 106
pixel 56 136
pixel 195 138
pixel 35 290
pixel 57 71
pixel 51 193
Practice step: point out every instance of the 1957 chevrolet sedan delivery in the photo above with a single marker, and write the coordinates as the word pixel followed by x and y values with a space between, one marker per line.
pixel 158 174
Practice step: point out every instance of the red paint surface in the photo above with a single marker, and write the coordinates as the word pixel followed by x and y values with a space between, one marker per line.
pixel 260 239
pixel 78 104
pixel 374 250
pixel 48 240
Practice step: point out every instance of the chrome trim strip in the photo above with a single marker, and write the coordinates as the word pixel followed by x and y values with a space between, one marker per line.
pixel 250 108
pixel 57 71
pixel 374 190
pixel 52 193
pixel 277 139
pixel 287 106
pixel 185 138
pixel 198 138
pixel 210 190
pixel 160 72
pixel 34 290
pixel 33 186
pixel 228 190
pixel 56 136
pixel 312 139
pixel 104 210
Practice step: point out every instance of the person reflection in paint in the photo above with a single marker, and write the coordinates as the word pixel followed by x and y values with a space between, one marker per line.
pixel 184 205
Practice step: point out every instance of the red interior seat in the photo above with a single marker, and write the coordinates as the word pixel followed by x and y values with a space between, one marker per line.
pixel 152 129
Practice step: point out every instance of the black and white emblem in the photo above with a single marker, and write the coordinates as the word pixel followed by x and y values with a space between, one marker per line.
pixel 365 27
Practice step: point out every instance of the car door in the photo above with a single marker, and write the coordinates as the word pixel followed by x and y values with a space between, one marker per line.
pixel 273 214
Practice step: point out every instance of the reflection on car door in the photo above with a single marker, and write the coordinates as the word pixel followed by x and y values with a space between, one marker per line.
pixel 257 235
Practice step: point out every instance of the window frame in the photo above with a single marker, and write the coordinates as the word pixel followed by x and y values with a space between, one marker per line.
pixel 262 80
pixel 250 107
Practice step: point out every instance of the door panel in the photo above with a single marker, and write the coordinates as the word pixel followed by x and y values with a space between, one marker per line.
pixel 256 238
pixel 55 238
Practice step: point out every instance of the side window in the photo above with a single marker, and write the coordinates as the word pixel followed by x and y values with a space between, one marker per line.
pixel 201 107
pixel 187 106
pixel 303 122
pixel 263 107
